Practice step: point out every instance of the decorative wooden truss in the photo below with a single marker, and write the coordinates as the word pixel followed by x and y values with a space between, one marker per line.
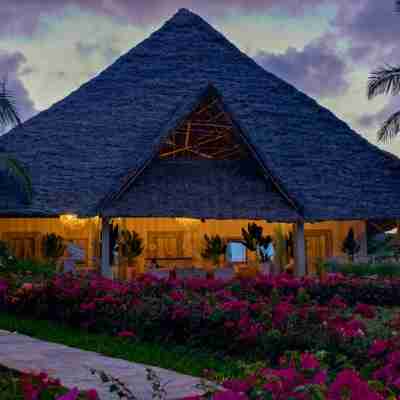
pixel 207 134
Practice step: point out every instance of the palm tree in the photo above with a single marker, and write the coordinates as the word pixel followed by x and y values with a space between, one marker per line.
pixel 386 80
pixel 9 116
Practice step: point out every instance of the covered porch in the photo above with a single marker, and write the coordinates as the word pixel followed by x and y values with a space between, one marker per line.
pixel 178 242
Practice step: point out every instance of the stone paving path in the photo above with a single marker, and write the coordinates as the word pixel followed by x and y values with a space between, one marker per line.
pixel 72 367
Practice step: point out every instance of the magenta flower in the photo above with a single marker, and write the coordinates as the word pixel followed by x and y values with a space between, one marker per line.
pixel 126 334
pixel 365 310
pixel 309 361
pixel 349 385
pixel 71 395
pixel 378 347
pixel 88 306
pixel 229 395
pixel 92 395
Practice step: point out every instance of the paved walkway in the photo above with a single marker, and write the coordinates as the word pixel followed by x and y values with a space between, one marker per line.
pixel 72 367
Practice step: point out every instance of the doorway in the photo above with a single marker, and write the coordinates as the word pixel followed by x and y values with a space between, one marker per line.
pixel 318 247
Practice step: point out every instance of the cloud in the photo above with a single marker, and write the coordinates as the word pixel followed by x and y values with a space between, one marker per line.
pixel 12 67
pixel 375 120
pixel 318 69
pixel 23 17
pixel 372 29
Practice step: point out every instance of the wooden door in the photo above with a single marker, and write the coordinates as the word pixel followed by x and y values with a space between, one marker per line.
pixel 318 247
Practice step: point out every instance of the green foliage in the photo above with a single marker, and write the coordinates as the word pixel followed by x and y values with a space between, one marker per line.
pixel 350 245
pixel 131 245
pixel 6 257
pixel 34 268
pixel 360 270
pixel 253 239
pixel 321 267
pixel 53 247
pixel 214 247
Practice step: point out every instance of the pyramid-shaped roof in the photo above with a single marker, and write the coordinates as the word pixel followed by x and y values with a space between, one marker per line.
pixel 99 139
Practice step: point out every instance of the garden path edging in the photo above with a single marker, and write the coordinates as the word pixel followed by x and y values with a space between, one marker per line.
pixel 72 366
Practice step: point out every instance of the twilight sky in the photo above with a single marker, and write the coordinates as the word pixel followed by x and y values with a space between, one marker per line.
pixel 326 48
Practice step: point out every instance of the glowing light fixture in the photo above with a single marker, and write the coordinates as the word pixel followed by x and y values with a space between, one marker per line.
pixel 72 221
pixel 188 223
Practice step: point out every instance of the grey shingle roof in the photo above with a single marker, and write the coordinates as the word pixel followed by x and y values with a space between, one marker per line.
pixel 82 148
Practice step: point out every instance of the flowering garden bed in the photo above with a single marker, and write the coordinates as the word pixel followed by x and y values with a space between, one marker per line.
pixel 32 386
pixel 315 340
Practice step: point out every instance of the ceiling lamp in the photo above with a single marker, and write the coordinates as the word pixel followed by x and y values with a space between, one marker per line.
pixel 72 221
pixel 188 223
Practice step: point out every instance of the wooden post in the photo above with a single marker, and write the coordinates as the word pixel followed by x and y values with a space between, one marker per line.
pixel 299 249
pixel 105 248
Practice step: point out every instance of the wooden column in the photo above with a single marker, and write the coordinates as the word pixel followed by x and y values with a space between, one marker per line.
pixel 105 248
pixel 299 249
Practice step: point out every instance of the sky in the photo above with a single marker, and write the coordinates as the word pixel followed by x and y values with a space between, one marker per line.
pixel 326 48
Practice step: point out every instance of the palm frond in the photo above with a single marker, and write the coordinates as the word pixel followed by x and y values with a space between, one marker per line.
pixel 8 110
pixel 390 128
pixel 19 173
pixel 384 80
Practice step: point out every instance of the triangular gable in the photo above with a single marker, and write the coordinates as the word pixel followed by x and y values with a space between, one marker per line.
pixel 207 133
pixel 177 144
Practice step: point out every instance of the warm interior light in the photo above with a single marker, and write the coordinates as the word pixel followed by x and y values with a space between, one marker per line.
pixel 72 221
pixel 188 223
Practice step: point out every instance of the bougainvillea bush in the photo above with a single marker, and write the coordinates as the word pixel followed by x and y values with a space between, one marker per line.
pixel 38 386
pixel 343 340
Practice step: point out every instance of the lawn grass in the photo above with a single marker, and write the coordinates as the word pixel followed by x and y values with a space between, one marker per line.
pixel 178 358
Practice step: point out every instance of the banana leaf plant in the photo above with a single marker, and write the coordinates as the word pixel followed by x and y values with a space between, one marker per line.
pixel 53 247
pixel 214 247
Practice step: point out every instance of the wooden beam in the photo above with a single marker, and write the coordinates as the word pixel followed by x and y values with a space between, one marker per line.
pixel 206 107
pixel 187 138
pixel 105 247
pixel 299 249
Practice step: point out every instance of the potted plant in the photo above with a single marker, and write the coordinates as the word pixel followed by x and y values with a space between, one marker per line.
pixel 255 241
pixel 214 248
pixel 350 245
pixel 131 247
pixel 53 247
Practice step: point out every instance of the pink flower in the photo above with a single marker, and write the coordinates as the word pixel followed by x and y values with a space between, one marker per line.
pixel 71 395
pixel 92 395
pixel 88 306
pixel 337 302
pixel 365 310
pixel 309 361
pixel 237 385
pixel 177 296
pixel 229 395
pixel 348 385
pixel 378 347
pixel 126 334
pixel 27 286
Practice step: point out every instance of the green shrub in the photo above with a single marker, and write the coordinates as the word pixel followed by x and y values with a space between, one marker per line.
pixel 362 269
pixel 30 269
pixel 6 257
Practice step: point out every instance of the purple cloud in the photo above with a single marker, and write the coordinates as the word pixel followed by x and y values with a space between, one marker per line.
pixel 373 29
pixel 318 69
pixel 12 67
pixel 24 16
pixel 375 120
